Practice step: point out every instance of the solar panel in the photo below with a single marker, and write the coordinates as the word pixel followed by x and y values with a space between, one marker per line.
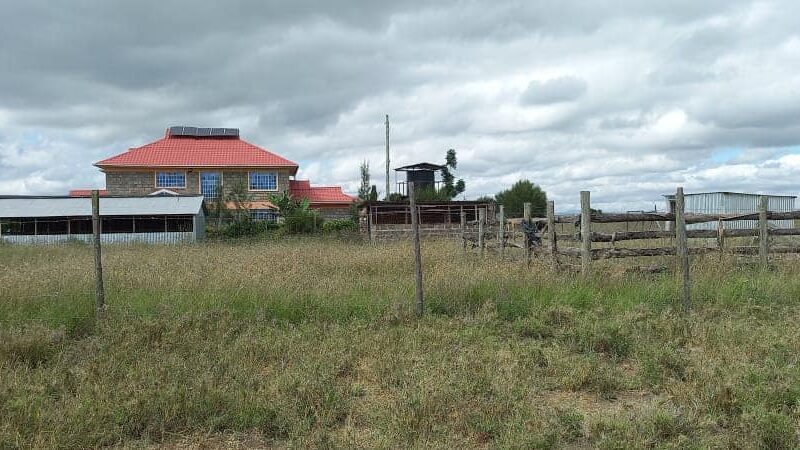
pixel 203 132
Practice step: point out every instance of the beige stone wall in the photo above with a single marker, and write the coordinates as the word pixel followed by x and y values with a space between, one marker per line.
pixel 143 183
pixel 330 213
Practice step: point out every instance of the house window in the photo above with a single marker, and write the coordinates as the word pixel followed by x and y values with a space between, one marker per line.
pixel 268 215
pixel 263 181
pixel 170 179
pixel 210 183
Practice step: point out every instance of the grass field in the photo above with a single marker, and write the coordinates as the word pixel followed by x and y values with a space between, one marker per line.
pixel 310 343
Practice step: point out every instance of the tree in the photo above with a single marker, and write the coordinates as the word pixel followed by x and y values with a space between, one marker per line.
pixel 451 187
pixel 298 217
pixel 373 194
pixel 523 191
pixel 239 196
pixel 364 189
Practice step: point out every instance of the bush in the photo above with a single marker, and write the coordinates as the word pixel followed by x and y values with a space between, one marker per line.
pixel 302 221
pixel 339 225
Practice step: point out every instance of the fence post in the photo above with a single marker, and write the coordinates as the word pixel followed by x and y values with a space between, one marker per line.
pixel 501 232
pixel 721 236
pixel 99 290
pixel 763 230
pixel 586 233
pixel 481 220
pixel 526 215
pixel 417 252
pixel 371 223
pixel 682 249
pixel 551 231
pixel 463 230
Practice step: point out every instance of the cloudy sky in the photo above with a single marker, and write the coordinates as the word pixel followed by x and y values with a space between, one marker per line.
pixel 628 99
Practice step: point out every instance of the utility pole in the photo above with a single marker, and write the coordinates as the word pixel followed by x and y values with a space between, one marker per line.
pixel 387 158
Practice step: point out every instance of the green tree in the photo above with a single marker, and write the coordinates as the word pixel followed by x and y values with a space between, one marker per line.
pixel 239 197
pixel 451 187
pixel 298 217
pixel 365 188
pixel 523 191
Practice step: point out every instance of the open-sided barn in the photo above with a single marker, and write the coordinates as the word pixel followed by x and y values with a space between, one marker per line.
pixel 154 219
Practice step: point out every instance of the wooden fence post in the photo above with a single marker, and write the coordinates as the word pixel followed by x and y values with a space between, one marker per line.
pixel 371 223
pixel 682 249
pixel 501 232
pixel 551 231
pixel 763 230
pixel 586 233
pixel 463 230
pixel 99 290
pixel 721 237
pixel 481 220
pixel 417 251
pixel 526 215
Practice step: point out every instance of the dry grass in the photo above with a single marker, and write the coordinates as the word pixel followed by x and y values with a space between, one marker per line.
pixel 308 343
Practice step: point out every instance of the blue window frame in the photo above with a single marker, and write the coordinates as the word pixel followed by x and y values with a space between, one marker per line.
pixel 170 179
pixel 268 215
pixel 263 181
pixel 210 183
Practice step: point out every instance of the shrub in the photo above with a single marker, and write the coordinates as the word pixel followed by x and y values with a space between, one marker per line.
pixel 297 216
pixel 339 225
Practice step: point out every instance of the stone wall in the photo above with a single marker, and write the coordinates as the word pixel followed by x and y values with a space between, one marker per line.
pixel 130 183
pixel 332 213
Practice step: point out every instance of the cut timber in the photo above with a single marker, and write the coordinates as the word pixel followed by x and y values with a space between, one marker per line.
pixel 669 217
pixel 608 253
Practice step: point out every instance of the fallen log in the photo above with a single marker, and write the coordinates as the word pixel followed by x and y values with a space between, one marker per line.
pixel 709 234
pixel 669 217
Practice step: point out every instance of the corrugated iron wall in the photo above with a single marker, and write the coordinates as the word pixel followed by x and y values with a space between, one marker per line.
pixel 733 203
pixel 106 238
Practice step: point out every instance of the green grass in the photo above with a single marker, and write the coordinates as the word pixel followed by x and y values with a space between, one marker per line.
pixel 311 343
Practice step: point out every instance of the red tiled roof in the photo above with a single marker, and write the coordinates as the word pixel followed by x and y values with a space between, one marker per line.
pixel 319 194
pixel 86 193
pixel 197 152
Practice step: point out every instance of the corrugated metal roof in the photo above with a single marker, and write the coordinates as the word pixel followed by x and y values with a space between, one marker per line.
pixel 12 207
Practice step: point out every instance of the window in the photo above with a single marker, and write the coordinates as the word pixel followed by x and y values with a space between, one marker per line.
pixel 268 215
pixel 170 179
pixel 263 181
pixel 210 183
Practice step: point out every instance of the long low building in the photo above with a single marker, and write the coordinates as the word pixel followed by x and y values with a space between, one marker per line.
pixel 156 219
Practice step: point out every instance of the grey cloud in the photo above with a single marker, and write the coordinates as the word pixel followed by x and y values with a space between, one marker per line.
pixel 556 90
pixel 312 80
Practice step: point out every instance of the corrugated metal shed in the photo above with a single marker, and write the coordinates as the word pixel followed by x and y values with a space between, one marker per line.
pixel 18 207
pixel 733 203
pixel 50 220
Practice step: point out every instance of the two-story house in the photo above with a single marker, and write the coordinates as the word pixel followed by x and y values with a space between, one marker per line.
pixel 212 162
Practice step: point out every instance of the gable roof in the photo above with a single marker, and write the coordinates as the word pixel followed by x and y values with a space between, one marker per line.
pixel 319 194
pixel 197 152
